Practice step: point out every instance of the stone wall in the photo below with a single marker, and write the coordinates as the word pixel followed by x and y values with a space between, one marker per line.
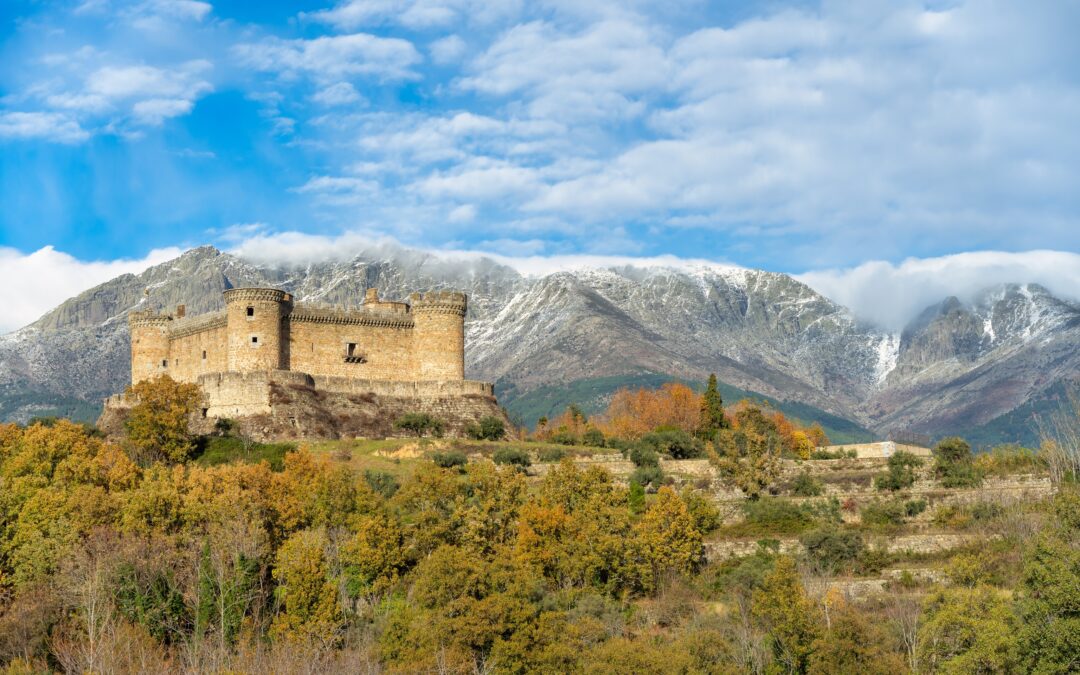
pixel 383 351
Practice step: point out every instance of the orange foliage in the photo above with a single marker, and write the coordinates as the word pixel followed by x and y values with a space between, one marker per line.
pixel 634 413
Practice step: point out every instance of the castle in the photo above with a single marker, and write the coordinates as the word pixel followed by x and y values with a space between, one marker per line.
pixel 298 369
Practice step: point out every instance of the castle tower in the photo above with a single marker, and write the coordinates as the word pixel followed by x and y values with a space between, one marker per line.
pixel 439 337
pixel 257 330
pixel 149 344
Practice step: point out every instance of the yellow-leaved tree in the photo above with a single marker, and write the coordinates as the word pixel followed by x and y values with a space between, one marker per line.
pixel 158 424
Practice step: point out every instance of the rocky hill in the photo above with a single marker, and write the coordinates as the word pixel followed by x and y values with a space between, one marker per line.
pixel 955 368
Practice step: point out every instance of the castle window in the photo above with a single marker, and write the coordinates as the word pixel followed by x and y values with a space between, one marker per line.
pixel 352 354
pixel 204 411
pixel 254 339
pixel 251 311
pixel 164 363
pixel 204 355
pixel 350 349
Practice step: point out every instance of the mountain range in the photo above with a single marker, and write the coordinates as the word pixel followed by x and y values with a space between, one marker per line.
pixel 986 368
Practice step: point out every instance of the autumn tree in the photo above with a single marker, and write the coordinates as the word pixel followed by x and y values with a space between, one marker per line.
pixel 968 630
pixel 308 595
pixel 853 643
pixel 672 542
pixel 158 424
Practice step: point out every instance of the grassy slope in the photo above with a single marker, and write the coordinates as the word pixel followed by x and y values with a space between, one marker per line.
pixel 592 395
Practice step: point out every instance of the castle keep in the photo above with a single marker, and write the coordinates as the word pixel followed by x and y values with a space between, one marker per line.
pixel 299 369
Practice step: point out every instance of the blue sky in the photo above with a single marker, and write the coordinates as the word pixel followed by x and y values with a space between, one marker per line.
pixel 793 136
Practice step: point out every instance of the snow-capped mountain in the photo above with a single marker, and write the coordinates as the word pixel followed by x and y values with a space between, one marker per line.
pixel 957 364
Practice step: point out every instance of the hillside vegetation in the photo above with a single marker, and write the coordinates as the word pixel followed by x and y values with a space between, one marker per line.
pixel 620 544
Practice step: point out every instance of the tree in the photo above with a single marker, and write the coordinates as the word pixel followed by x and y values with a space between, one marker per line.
pixel 308 595
pixel 901 472
pixel 712 411
pixel 853 644
pixel 784 610
pixel 672 543
pixel 158 424
pixel 750 460
pixel 954 466
pixel 968 630
pixel 489 428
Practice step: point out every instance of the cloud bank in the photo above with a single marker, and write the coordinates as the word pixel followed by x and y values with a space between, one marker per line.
pixel 36 282
pixel 886 294
pixel 891 295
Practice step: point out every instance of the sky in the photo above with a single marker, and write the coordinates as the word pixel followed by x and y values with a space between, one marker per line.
pixel 868 146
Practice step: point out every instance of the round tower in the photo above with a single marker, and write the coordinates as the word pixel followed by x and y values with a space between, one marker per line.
pixel 149 344
pixel 256 328
pixel 439 334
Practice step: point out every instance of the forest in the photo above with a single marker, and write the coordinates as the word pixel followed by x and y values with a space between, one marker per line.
pixel 669 534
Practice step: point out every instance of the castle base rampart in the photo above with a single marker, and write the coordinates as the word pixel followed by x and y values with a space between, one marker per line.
pixel 281 404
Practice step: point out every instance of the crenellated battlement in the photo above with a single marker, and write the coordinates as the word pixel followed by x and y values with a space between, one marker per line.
pixel 264 329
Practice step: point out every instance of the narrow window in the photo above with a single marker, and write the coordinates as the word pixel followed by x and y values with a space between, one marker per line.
pixel 204 411
pixel 204 354
pixel 164 363
pixel 254 339
pixel 251 311
pixel 351 349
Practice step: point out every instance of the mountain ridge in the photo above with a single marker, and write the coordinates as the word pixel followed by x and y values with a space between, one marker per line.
pixel 957 364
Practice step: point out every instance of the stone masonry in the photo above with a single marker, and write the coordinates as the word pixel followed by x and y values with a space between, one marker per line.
pixel 411 355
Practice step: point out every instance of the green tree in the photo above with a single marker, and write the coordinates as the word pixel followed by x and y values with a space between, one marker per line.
pixel 1049 606
pixel 489 428
pixel 712 417
pixel 968 630
pixel 158 424
pixel 784 610
pixel 901 472
pixel 750 460
pixel 419 424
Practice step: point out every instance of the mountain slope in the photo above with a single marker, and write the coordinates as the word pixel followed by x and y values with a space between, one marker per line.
pixel 955 366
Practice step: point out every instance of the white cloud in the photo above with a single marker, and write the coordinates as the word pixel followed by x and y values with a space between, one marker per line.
pixel 341 93
pixel 447 50
pixel 36 282
pixel 416 14
pixel 891 295
pixel 48 126
pixel 156 110
pixel 123 82
pixel 330 58
pixel 466 213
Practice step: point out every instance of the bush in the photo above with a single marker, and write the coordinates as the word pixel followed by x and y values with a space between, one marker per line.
pixel 831 549
pixel 489 428
pixel 833 454
pixel 960 516
pixel 512 456
pixel 564 438
pixel 643 456
pixel 954 466
pixel 550 455
pixel 901 472
pixel 593 437
pixel 386 484
pixel 888 513
pixel 648 477
pixel 419 424
pixel 705 514
pixel 449 459
pixel 914 507
pixel 1005 460
pixel 779 516
pixel 224 426
pixel 674 443
pixel 806 485
pixel 342 454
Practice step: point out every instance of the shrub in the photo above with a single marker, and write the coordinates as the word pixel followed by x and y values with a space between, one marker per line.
pixel 674 443
pixel 643 456
pixel 872 560
pixel 954 466
pixel 419 424
pixel 512 456
pixel 489 428
pixel 224 426
pixel 342 454
pixel 831 549
pixel 914 507
pixel 593 437
pixel 806 485
pixel 636 497
pixel 449 459
pixel 550 455
pixel 705 514
pixel 887 513
pixel 833 454
pixel 564 438
pixel 386 484
pixel 901 472
pixel 778 515
pixel 648 477
pixel 1005 460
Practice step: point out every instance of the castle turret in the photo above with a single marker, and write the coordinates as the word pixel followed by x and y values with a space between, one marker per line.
pixel 149 344
pixel 257 330
pixel 439 337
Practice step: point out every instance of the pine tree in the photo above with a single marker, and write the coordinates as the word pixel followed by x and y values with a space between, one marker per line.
pixel 712 411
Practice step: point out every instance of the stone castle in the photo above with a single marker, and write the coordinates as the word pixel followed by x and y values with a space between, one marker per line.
pixel 295 369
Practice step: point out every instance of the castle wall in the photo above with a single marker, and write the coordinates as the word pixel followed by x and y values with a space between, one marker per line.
pixel 198 346
pixel 440 335
pixel 256 339
pixel 382 352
